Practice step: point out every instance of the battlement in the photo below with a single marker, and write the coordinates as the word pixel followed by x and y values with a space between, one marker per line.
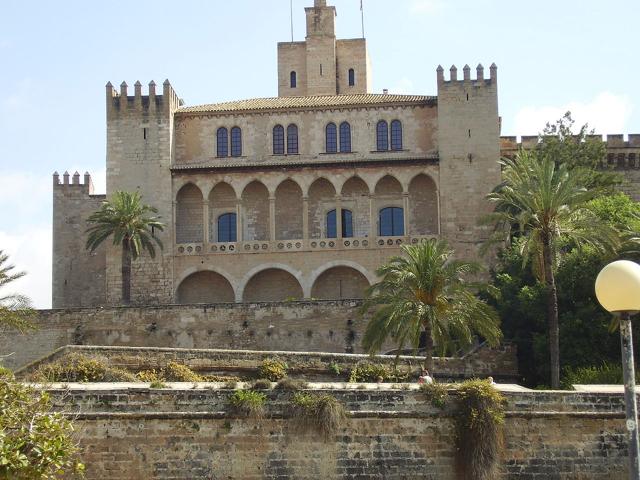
pixel 121 101
pixel 466 75
pixel 85 187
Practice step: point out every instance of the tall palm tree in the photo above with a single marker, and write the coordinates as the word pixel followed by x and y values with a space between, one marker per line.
pixel 544 204
pixel 15 309
pixel 128 220
pixel 424 293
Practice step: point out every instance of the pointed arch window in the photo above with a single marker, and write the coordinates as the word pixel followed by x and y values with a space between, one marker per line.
pixel 331 138
pixel 293 80
pixel 391 222
pixel 345 137
pixel 222 137
pixel 347 224
pixel 352 77
pixel 396 135
pixel 227 231
pixel 292 139
pixel 382 136
pixel 278 140
pixel 236 142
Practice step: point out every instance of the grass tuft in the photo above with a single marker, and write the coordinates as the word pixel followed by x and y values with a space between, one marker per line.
pixel 321 413
pixel 248 403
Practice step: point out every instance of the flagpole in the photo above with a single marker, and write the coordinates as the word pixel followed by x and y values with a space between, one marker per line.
pixel 362 16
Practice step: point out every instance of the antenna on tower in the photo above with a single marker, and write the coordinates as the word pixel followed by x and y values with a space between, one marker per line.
pixel 362 16
pixel 291 17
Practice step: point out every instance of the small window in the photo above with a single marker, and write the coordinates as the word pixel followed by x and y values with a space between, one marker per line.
pixel 331 138
pixel 236 142
pixel 278 140
pixel 391 222
pixel 347 224
pixel 382 136
pixel 293 80
pixel 292 139
pixel 345 137
pixel 223 142
pixel 396 135
pixel 227 227
pixel 352 77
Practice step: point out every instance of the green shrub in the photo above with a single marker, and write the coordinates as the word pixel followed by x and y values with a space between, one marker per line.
pixel 261 384
pixel 370 372
pixel 321 413
pixel 335 368
pixel 479 436
pixel 272 369
pixel 605 374
pixel 177 372
pixel 149 376
pixel 157 384
pixel 291 384
pixel 6 374
pixel 248 403
pixel 80 368
pixel 220 378
pixel 437 393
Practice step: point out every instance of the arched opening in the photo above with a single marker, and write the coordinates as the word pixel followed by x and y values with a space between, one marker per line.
pixel 272 285
pixel 292 139
pixel 236 142
pixel 340 282
pixel 423 206
pixel 345 137
pixel 222 201
pixel 388 194
pixel 355 197
pixel 396 135
pixel 278 140
pixel 227 227
pixel 382 136
pixel 332 224
pixel 205 287
pixel 322 199
pixel 222 142
pixel 255 212
pixel 293 80
pixel 352 77
pixel 189 215
pixel 331 138
pixel 288 211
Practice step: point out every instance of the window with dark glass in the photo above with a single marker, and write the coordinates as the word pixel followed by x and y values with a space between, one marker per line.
pixel 331 138
pixel 391 222
pixel 345 137
pixel 382 136
pixel 236 142
pixel 292 139
pixel 278 140
pixel 293 81
pixel 347 224
pixel 227 227
pixel 352 77
pixel 396 135
pixel 223 142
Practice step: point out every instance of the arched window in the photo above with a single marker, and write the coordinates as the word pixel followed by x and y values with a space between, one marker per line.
pixel 347 224
pixel 345 137
pixel 236 142
pixel 352 77
pixel 396 135
pixel 278 140
pixel 293 81
pixel 331 138
pixel 292 139
pixel 382 136
pixel 227 227
pixel 223 142
pixel 391 222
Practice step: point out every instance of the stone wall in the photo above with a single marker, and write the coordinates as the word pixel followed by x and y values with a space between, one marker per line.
pixel 136 432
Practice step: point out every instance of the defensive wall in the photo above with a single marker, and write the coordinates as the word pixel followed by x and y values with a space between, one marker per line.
pixel 188 431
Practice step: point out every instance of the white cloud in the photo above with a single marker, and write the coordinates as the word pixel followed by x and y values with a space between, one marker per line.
pixel 606 113
pixel 403 86
pixel 427 7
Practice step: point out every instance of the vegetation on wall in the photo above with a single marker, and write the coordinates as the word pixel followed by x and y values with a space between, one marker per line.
pixel 248 403
pixel 15 309
pixel 272 369
pixel 321 413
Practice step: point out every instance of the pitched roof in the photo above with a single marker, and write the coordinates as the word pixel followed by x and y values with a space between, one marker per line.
pixel 310 102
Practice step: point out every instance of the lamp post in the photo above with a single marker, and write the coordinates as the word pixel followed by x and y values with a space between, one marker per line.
pixel 618 291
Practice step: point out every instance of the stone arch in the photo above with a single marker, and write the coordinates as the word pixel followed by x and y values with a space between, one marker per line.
pixel 222 199
pixel 189 215
pixel 388 193
pixel 204 286
pixel 271 283
pixel 322 199
pixel 388 185
pixel 423 206
pixel 255 211
pixel 355 197
pixel 340 279
pixel 288 210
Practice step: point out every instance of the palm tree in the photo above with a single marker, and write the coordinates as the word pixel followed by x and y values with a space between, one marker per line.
pixel 129 222
pixel 423 293
pixel 545 202
pixel 15 309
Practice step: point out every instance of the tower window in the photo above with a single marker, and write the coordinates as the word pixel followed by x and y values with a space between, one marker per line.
pixel 396 135
pixel 293 80
pixel 347 224
pixel 223 142
pixel 236 142
pixel 352 77
pixel 292 139
pixel 331 138
pixel 391 222
pixel 227 231
pixel 382 136
pixel 278 140
pixel 345 137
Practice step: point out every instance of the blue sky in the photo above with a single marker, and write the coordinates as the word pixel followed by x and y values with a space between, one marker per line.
pixel 56 57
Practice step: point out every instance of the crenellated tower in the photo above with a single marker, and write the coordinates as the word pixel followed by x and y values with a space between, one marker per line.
pixel 469 150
